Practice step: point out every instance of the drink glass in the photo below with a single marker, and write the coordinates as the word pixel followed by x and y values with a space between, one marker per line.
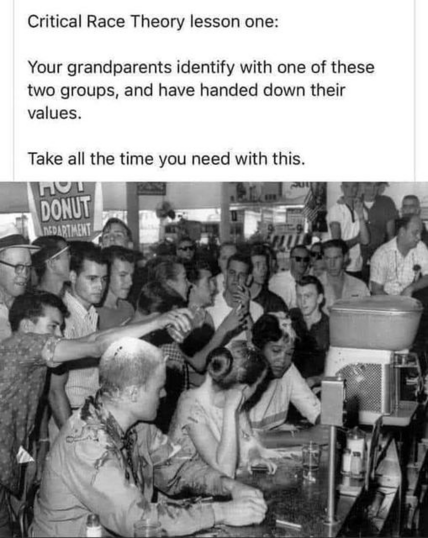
pixel 310 460
pixel 146 528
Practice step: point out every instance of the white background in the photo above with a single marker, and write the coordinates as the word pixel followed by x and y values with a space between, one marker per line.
pixel 368 135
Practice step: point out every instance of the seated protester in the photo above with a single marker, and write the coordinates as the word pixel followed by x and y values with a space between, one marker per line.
pixel 211 421
pixel 108 460
pixel 37 320
pixel 317 260
pixel 337 283
pixel 312 330
pixel 400 267
pixel 51 264
pixel 115 309
pixel 283 283
pixel 204 338
pixel 260 293
pixel 236 296
pixel 274 336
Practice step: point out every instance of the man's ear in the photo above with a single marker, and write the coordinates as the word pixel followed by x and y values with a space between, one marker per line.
pixel 26 326
pixel 320 299
pixel 73 277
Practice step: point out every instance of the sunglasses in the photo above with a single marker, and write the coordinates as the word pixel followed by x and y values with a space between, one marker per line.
pixel 299 259
pixel 186 248
pixel 316 255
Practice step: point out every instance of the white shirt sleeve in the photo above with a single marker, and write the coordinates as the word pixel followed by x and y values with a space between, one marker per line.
pixel 423 257
pixel 379 267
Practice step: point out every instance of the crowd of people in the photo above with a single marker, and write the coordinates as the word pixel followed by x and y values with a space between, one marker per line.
pixel 127 383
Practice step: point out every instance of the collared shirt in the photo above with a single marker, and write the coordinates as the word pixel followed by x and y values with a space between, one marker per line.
pixel 94 468
pixel 352 289
pixel 23 367
pixel 284 285
pixel 272 409
pixel 5 329
pixel 83 377
pixel 349 227
pixel 221 309
pixel 389 269
pixel 311 345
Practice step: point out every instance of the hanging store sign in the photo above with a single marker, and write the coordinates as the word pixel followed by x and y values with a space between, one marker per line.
pixel 71 210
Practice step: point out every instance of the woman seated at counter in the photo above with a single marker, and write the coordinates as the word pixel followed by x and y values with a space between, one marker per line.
pixel 211 420
pixel 274 336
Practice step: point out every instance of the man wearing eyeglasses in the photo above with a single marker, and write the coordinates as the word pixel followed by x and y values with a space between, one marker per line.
pixel 284 283
pixel 15 270
pixel 185 250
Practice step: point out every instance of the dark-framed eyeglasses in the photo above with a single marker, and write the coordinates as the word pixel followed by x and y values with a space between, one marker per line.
pixel 299 259
pixel 20 268
pixel 190 247
pixel 316 255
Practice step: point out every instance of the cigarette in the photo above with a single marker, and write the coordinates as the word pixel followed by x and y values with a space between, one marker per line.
pixel 288 525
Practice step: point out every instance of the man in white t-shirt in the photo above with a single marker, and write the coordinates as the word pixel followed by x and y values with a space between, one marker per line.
pixel 236 295
pixel 347 221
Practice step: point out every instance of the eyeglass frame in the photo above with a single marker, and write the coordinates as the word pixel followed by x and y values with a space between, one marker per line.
pixel 185 249
pixel 19 267
pixel 317 255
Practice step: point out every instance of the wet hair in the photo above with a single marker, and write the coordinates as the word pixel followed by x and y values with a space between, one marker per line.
pixel 237 365
pixel 115 220
pixel 31 305
pixel 241 258
pixel 49 246
pixel 156 298
pixel 116 252
pixel 310 279
pixel 268 329
pixel 166 270
pixel 129 362
pixel 85 250
pixel 336 243
pixel 403 222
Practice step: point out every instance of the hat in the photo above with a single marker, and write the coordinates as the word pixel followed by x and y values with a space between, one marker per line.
pixel 11 238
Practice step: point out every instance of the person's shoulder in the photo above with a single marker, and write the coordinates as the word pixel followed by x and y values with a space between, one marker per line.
pixel 386 247
pixel 385 201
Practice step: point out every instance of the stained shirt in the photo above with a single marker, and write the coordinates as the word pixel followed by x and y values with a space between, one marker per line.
pixel 23 368
pixel 352 289
pixel 5 330
pixel 93 467
pixel 83 379
pixel 272 409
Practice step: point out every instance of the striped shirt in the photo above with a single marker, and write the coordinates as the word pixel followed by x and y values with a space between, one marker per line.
pixel 394 272
pixel 83 374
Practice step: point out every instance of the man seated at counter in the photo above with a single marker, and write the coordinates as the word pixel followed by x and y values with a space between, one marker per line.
pixel 274 336
pixel 337 283
pixel 400 267
pixel 311 325
pixel 108 459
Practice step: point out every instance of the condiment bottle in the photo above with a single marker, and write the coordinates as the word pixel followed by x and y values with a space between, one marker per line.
pixel 93 526
pixel 355 441
pixel 356 464
pixel 346 461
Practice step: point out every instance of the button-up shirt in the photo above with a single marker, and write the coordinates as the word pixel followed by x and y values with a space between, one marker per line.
pixel 94 468
pixel 394 272
pixel 5 330
pixel 23 367
pixel 83 379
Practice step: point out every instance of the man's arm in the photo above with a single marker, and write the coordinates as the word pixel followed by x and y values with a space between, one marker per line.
pixel 58 399
pixel 377 289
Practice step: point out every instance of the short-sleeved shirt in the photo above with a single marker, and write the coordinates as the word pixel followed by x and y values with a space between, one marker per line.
pixel 379 214
pixel 5 329
pixel 95 467
pixel 284 285
pixel 311 345
pixel 389 269
pixel 350 227
pixel 221 309
pixel 23 369
pixel 272 409
pixel 83 378
pixel 352 289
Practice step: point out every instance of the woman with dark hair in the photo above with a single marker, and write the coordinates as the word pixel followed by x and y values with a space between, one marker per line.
pixel 211 420
pixel 274 337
